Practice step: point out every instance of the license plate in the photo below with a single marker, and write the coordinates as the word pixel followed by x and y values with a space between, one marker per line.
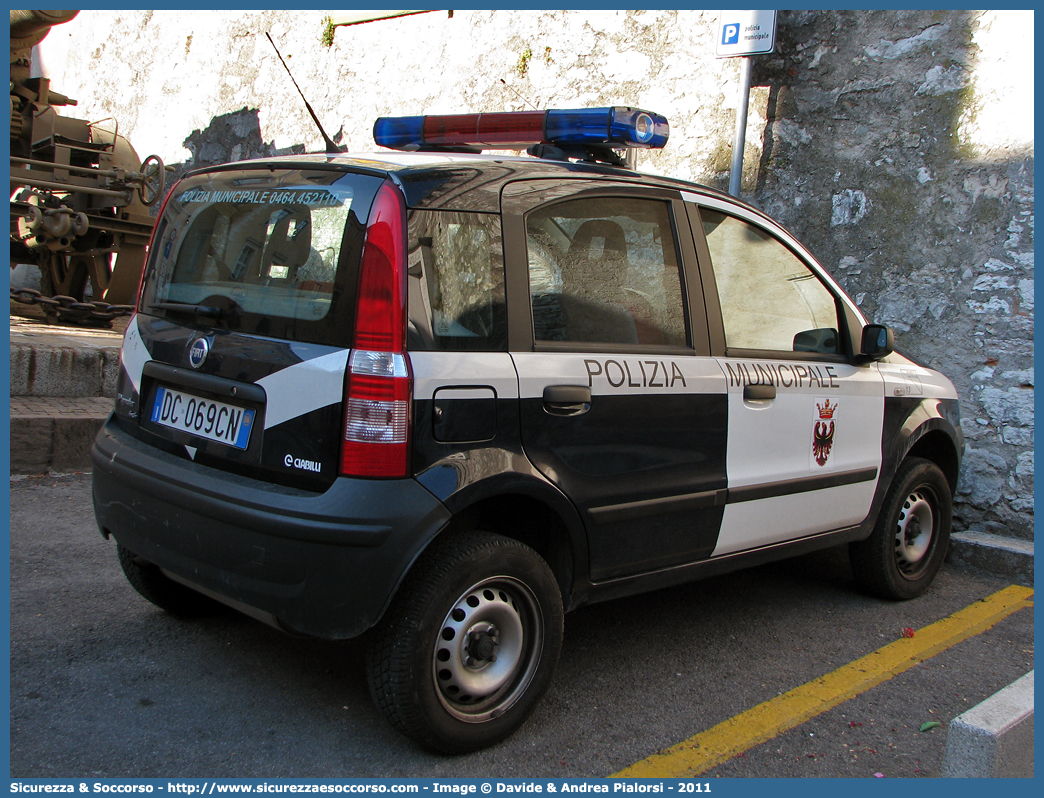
pixel 205 418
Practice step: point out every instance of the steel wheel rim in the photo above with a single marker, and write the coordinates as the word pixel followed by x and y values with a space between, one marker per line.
pixel 487 649
pixel 914 533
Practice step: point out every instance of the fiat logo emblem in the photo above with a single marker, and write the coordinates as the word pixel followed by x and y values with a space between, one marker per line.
pixel 198 352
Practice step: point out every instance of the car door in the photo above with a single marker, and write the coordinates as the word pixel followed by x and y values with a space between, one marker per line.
pixel 620 405
pixel 804 441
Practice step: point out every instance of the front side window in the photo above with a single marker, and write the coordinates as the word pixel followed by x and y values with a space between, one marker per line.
pixel 770 300
pixel 604 270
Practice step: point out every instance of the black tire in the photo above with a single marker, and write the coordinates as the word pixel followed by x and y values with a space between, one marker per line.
pixel 907 547
pixel 470 643
pixel 165 593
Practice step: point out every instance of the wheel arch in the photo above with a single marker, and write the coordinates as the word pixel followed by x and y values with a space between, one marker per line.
pixel 926 428
pixel 521 506
pixel 916 427
pixel 534 522
pixel 938 447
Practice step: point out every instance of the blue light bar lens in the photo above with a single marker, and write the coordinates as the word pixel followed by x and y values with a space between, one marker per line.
pixel 398 132
pixel 617 126
pixel 580 126
pixel 634 127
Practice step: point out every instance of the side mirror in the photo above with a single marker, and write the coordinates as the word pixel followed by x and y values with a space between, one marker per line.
pixel 822 340
pixel 878 341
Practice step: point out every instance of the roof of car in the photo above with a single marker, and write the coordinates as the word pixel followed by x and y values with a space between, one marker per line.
pixel 461 181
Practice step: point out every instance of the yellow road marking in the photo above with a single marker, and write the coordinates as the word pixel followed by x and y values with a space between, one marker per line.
pixel 710 748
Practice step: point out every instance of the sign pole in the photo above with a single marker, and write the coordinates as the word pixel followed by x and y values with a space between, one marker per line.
pixel 742 34
pixel 739 140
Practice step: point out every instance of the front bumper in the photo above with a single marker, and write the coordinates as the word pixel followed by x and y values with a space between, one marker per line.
pixel 323 564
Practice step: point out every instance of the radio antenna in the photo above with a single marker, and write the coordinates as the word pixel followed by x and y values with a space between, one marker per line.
pixel 523 99
pixel 330 146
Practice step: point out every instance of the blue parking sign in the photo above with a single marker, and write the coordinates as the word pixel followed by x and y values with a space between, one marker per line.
pixel 743 33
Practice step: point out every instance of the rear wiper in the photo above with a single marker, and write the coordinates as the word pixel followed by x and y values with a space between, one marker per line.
pixel 207 311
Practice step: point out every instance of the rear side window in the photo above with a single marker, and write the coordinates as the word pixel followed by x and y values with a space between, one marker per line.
pixel 456 282
pixel 272 253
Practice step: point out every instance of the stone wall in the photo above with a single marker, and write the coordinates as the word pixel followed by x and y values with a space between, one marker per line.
pixel 900 145
pixel 897 145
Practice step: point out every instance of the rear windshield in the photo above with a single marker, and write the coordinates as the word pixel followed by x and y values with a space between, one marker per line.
pixel 274 253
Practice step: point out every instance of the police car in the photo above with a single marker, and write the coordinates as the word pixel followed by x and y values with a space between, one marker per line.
pixel 443 396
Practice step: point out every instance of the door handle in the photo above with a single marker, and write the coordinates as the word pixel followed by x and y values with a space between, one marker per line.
pixel 758 393
pixel 567 400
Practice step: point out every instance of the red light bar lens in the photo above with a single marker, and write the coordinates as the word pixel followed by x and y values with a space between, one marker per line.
pixel 489 130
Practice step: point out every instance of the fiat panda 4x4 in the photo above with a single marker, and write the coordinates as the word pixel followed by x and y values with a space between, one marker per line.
pixel 442 396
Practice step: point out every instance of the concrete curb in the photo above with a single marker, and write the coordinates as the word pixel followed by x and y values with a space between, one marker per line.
pixel 994 739
pixel 66 371
pixel 1008 557
pixel 63 380
pixel 55 434
pixel 57 360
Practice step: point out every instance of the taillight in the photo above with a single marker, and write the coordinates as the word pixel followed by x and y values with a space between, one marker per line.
pixel 379 385
pixel 377 415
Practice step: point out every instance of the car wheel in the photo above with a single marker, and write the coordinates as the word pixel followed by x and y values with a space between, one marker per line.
pixel 165 593
pixel 907 546
pixel 470 643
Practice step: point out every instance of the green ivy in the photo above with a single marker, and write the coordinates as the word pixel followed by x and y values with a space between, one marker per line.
pixel 522 67
pixel 327 39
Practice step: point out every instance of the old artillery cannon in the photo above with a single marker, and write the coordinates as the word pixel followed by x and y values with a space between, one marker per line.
pixel 80 196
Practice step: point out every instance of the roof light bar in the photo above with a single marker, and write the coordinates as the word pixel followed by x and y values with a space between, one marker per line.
pixel 617 126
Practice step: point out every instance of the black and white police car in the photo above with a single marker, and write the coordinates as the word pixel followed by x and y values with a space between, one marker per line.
pixel 445 396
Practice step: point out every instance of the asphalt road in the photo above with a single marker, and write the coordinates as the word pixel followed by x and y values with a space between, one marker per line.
pixel 103 684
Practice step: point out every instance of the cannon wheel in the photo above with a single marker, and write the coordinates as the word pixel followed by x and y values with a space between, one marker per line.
pixel 84 277
pixel 154 181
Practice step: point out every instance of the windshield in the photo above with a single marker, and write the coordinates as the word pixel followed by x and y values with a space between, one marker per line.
pixel 268 252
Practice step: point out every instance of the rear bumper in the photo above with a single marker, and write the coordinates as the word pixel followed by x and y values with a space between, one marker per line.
pixel 323 564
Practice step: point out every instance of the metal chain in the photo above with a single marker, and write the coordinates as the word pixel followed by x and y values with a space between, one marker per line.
pixel 68 309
